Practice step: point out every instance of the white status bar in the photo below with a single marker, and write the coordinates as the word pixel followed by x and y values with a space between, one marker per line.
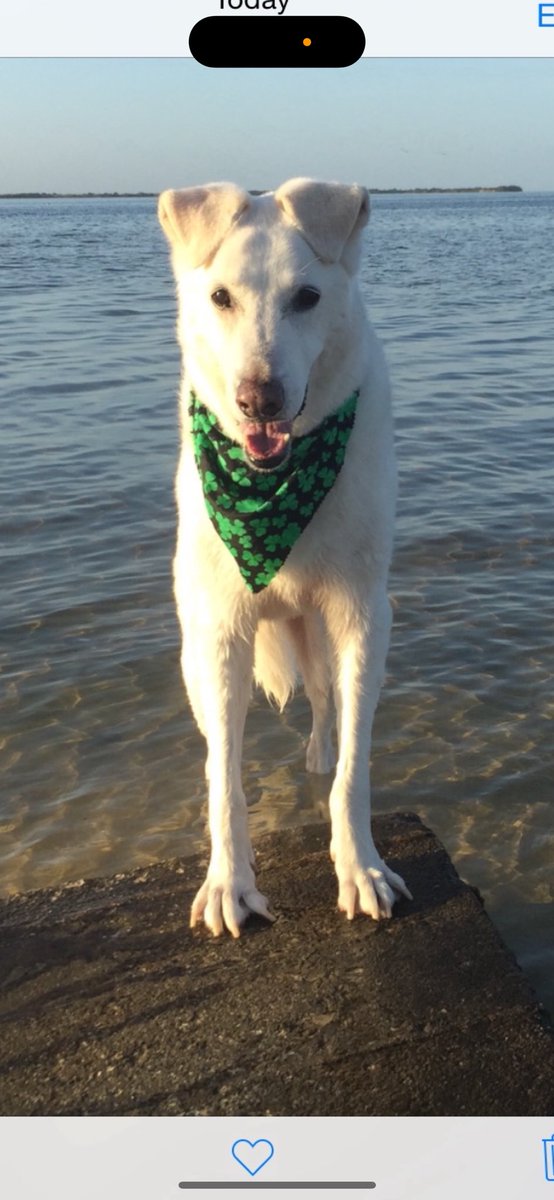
pixel 405 28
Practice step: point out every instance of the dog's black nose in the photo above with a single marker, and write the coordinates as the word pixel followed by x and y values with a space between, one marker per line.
pixel 261 400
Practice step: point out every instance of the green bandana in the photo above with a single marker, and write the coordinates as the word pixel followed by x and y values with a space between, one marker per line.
pixel 259 515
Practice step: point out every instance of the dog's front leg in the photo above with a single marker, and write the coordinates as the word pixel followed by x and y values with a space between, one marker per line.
pixel 360 642
pixel 222 687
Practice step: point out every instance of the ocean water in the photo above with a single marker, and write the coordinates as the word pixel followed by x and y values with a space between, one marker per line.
pixel 101 764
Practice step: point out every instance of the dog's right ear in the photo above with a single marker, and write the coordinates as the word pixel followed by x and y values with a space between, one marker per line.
pixel 196 220
pixel 330 217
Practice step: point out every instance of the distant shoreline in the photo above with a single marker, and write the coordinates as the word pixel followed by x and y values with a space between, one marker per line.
pixel 431 191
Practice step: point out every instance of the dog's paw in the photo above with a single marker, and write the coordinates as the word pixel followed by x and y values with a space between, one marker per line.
pixel 366 884
pixel 226 899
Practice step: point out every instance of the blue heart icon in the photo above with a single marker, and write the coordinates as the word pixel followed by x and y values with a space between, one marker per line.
pixel 257 1154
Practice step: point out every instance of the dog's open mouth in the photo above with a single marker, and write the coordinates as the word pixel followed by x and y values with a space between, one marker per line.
pixel 267 443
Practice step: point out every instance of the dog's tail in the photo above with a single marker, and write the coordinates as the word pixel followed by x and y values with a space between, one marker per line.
pixel 275 666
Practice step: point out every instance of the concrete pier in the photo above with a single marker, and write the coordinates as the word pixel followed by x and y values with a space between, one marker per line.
pixel 110 1005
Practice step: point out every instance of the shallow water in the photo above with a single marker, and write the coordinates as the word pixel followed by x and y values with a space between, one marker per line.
pixel 101 763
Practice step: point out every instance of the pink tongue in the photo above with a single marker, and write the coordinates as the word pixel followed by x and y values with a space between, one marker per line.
pixel 267 439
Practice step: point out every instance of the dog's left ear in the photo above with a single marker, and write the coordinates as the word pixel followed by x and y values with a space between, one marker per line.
pixel 330 216
pixel 195 220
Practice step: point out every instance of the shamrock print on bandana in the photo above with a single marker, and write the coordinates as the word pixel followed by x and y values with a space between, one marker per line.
pixel 259 516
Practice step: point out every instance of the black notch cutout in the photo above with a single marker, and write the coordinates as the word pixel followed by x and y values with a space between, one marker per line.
pixel 249 41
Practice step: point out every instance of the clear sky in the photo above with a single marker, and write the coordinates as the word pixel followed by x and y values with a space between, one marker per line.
pixel 146 124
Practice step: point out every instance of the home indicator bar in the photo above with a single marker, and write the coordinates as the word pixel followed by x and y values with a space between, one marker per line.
pixel 276 1186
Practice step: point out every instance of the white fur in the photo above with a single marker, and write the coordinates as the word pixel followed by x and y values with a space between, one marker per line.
pixel 326 612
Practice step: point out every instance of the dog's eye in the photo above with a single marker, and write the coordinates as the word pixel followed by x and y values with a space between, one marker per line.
pixel 221 298
pixel 305 298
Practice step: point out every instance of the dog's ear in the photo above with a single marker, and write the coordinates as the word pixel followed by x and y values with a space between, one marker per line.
pixel 328 215
pixel 196 220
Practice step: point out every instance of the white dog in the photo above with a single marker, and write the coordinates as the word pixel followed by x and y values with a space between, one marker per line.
pixel 286 495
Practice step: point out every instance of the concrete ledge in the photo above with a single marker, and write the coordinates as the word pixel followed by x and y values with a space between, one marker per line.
pixel 109 1005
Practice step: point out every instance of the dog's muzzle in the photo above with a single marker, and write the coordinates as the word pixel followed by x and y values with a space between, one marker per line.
pixel 267 444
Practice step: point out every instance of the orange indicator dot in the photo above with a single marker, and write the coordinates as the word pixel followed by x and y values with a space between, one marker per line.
pixel 307 42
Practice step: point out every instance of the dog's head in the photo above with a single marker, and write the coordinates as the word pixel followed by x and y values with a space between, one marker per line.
pixel 265 289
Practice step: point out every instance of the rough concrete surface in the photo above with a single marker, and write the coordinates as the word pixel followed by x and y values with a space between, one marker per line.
pixel 110 1005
